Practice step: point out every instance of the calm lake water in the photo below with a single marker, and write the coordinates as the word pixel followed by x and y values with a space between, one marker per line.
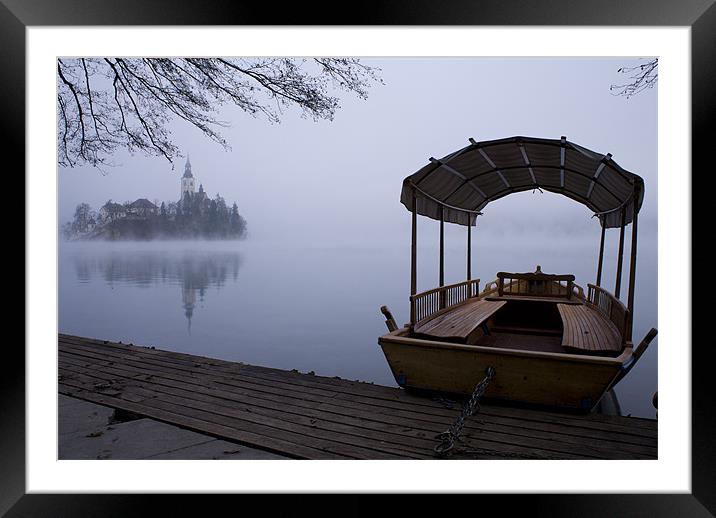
pixel 311 307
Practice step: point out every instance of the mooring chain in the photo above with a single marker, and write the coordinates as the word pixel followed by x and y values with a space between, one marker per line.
pixel 471 406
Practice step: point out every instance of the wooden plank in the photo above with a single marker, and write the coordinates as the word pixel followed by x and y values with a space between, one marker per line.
pixel 371 411
pixel 521 444
pixel 152 404
pixel 317 435
pixel 461 322
pixel 359 417
pixel 227 432
pixel 502 436
pixel 587 330
pixel 487 437
pixel 420 399
pixel 237 403
pixel 601 448
pixel 294 380
pixel 293 377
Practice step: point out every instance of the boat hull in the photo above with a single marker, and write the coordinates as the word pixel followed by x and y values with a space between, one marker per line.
pixel 568 381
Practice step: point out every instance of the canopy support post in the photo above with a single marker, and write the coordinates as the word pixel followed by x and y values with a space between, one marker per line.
pixel 620 258
pixel 413 260
pixel 601 257
pixel 469 249
pixel 632 265
pixel 442 255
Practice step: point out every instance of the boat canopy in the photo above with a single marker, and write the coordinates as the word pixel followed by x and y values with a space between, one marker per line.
pixel 462 183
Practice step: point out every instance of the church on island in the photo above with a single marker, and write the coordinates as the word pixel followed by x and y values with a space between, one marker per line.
pixel 187 195
pixel 194 215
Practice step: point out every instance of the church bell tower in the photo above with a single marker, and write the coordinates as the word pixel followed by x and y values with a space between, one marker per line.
pixel 187 181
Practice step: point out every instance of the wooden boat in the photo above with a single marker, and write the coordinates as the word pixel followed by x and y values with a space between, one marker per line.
pixel 550 342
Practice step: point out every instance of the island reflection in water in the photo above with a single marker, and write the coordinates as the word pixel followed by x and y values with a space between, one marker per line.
pixel 194 272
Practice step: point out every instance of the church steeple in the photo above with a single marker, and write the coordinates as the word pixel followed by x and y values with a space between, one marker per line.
pixel 187 181
pixel 187 169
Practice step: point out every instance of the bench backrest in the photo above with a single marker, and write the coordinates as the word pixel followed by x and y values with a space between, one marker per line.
pixel 535 284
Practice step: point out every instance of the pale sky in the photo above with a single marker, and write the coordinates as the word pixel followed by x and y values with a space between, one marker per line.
pixel 340 181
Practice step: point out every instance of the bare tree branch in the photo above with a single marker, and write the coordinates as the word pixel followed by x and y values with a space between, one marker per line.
pixel 80 115
pixel 641 77
pixel 130 101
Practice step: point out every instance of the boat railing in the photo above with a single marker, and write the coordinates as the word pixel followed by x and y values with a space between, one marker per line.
pixel 428 303
pixel 535 284
pixel 490 288
pixel 610 306
pixel 578 291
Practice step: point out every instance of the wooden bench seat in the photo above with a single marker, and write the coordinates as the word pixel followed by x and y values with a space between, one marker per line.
pixel 461 323
pixel 587 330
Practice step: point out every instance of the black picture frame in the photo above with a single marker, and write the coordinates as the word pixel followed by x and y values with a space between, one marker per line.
pixel 700 15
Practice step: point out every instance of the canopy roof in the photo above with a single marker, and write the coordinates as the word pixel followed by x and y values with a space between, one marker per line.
pixel 464 182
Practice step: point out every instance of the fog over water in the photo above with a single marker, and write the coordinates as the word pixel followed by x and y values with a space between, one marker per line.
pixel 328 239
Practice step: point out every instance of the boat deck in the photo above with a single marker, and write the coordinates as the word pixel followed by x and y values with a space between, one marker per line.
pixel 313 417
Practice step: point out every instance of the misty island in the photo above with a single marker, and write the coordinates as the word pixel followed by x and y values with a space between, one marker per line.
pixel 195 215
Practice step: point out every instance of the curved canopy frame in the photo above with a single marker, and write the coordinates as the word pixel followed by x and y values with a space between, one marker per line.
pixel 458 186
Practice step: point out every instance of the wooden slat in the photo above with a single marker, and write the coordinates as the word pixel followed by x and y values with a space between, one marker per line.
pixel 370 393
pixel 245 417
pixel 355 406
pixel 587 330
pixel 502 434
pixel 305 416
pixel 226 402
pixel 371 415
pixel 507 436
pixel 180 419
pixel 459 323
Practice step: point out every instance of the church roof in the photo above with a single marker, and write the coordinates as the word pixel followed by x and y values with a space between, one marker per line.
pixel 142 203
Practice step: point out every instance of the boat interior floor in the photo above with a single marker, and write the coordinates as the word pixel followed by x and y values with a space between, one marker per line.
pixel 522 342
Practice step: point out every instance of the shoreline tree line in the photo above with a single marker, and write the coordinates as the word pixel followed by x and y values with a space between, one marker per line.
pixel 195 216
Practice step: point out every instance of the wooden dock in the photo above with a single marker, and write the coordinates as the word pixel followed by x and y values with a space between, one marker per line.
pixel 305 416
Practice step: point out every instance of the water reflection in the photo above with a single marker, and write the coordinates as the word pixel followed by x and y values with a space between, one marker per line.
pixel 192 271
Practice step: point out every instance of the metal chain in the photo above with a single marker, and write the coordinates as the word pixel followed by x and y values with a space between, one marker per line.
pixel 471 406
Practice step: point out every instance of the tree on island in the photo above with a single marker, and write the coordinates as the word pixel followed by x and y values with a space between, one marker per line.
pixel 105 104
pixel 84 218
pixel 237 224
